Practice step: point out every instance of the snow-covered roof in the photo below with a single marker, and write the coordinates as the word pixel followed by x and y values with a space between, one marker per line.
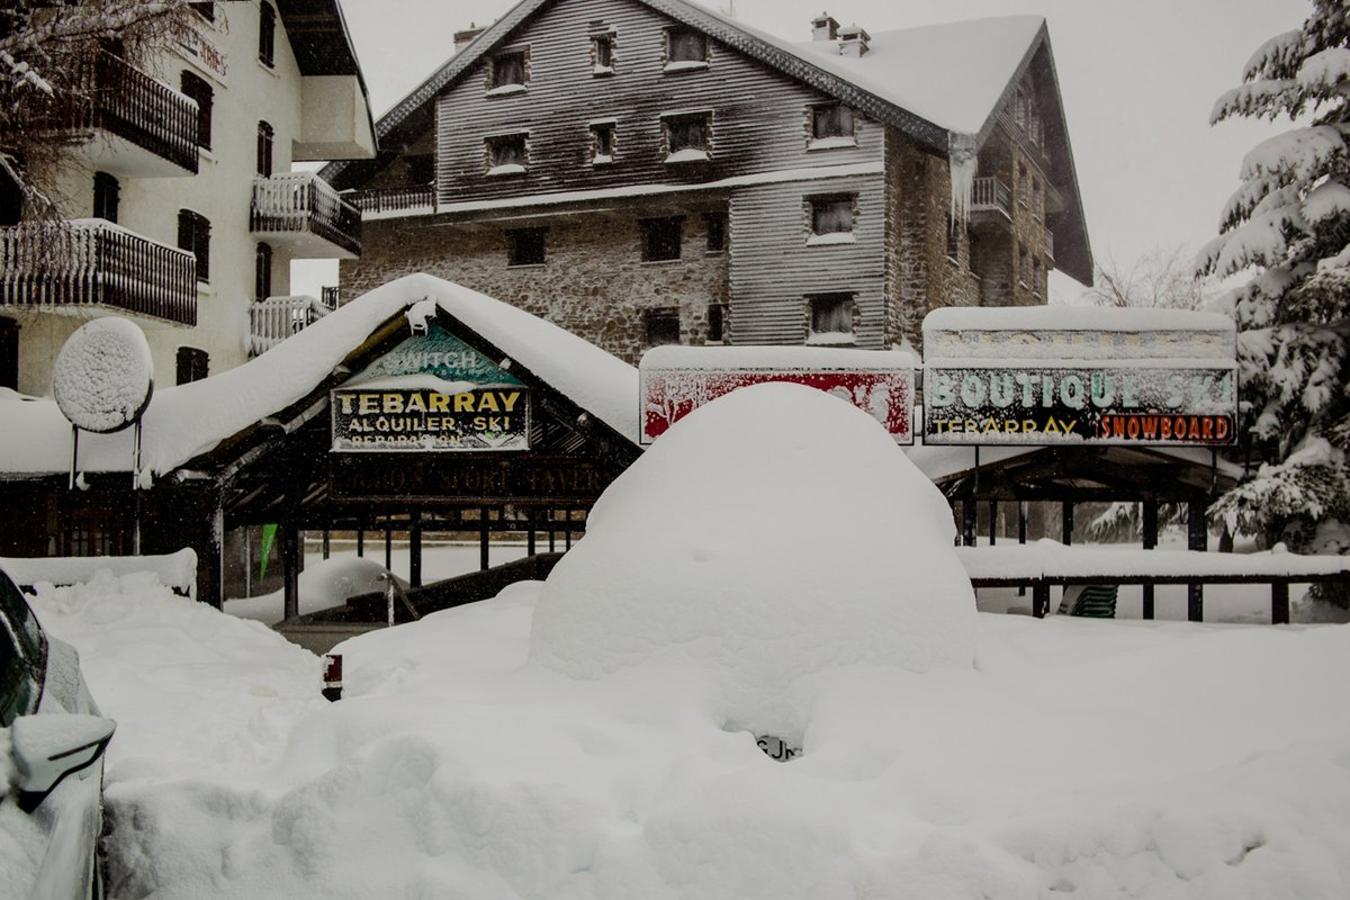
pixel 953 75
pixel 188 420
pixel 1073 318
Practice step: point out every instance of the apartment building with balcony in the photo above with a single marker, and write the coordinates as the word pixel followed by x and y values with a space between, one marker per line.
pixel 175 181
pixel 647 171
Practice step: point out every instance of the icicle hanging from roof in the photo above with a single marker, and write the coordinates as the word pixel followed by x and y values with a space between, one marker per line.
pixel 961 154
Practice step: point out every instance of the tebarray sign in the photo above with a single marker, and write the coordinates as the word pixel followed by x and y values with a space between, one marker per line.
pixel 1007 376
pixel 431 393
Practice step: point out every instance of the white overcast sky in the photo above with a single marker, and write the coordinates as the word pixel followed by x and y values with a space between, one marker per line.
pixel 1138 78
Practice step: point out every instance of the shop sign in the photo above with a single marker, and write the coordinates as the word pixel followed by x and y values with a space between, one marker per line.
pixel 675 381
pixel 1080 403
pixel 431 393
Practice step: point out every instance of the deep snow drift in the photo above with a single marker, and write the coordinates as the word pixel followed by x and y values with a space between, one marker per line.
pixel 773 535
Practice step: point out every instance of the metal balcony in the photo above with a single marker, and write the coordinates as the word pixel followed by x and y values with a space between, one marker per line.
pixel 124 121
pixel 302 212
pixel 90 264
pixel 273 320
pixel 379 202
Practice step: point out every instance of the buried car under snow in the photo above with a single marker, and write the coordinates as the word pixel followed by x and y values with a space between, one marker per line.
pixel 51 762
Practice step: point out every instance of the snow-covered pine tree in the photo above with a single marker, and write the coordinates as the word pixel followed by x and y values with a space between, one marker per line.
pixel 1289 222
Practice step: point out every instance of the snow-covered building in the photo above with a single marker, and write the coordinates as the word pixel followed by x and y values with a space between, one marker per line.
pixel 183 210
pixel 645 172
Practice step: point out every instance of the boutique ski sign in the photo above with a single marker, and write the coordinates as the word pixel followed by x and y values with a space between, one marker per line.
pixel 1006 376
pixel 675 381
pixel 431 393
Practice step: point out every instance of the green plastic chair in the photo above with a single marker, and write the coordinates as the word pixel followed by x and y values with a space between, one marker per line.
pixel 1092 601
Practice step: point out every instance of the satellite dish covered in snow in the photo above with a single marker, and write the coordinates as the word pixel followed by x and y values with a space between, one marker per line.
pixel 104 376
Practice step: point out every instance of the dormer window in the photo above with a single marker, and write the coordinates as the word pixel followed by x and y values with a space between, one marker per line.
pixel 831 126
pixel 686 49
pixel 687 138
pixel 507 72
pixel 602 53
pixel 507 154
pixel 831 219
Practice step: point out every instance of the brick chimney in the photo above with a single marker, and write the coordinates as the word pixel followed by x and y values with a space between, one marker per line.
pixel 465 37
pixel 853 40
pixel 824 27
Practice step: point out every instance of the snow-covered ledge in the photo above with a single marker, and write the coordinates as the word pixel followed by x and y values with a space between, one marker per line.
pixel 507 89
pixel 508 169
pixel 687 156
pixel 834 237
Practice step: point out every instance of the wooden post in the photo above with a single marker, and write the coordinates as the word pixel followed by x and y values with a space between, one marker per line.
pixel 1279 603
pixel 484 563
pixel 415 548
pixel 993 522
pixel 968 522
pixel 361 539
pixel 388 546
pixel 291 552
pixel 327 539
pixel 1040 599
pixel 1197 538
pixel 1066 529
pixel 529 539
pixel 1021 536
pixel 1150 541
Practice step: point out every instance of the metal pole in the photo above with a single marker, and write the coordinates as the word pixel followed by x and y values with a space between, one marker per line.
pixel 74 454
pixel 136 490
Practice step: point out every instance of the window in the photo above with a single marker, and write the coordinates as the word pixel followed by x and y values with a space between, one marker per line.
pixel 421 168
pixel 526 246
pixel 14 609
pixel 199 90
pixel 507 72
pixel 1023 185
pixel 686 137
pixel 717 323
pixel 507 154
pixel 831 218
pixel 262 272
pixel 265 149
pixel 686 48
pixel 662 327
pixel 107 193
pixel 267 34
pixel 831 318
pixel 1022 265
pixel 602 142
pixel 953 239
pixel 1038 204
pixel 717 231
pixel 19 688
pixel 602 53
pixel 206 10
pixel 194 235
pixel 973 251
pixel 832 121
pixel 192 364
pixel 661 238
pixel 1036 274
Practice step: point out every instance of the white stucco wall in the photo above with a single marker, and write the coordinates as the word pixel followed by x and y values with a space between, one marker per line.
pixel 245 93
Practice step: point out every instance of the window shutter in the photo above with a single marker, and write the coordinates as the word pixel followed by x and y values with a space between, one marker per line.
pixel 267 34
pixel 262 275
pixel 265 149
pixel 203 246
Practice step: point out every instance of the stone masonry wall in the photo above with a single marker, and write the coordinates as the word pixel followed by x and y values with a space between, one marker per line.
pixel 593 282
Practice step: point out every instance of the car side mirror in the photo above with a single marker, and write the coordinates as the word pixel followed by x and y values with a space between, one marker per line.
pixel 49 747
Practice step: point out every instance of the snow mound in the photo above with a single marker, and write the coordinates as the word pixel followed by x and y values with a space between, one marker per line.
pixel 323 585
pixel 103 375
pixel 775 534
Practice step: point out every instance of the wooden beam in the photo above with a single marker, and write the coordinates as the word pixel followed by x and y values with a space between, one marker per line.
pixel 484 540
pixel 290 567
pixel 968 522
pixel 993 522
pixel 1066 525
pixel 415 549
pixel 1040 599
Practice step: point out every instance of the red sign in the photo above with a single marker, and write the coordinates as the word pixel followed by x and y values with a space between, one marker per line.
pixel 678 380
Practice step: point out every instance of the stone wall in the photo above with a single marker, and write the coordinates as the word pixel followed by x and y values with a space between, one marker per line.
pixel 593 282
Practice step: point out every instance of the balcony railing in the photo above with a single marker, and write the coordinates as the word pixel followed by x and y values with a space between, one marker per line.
pixel 991 195
pixel 303 203
pixel 393 200
pixel 273 320
pixel 112 95
pixel 94 263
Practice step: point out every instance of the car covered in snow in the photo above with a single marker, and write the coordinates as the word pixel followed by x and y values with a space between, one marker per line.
pixel 52 741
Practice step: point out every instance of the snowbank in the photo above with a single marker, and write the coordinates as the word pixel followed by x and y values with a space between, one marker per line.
pixel 174 570
pixel 1047 557
pixel 323 585
pixel 773 535
pixel 187 420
